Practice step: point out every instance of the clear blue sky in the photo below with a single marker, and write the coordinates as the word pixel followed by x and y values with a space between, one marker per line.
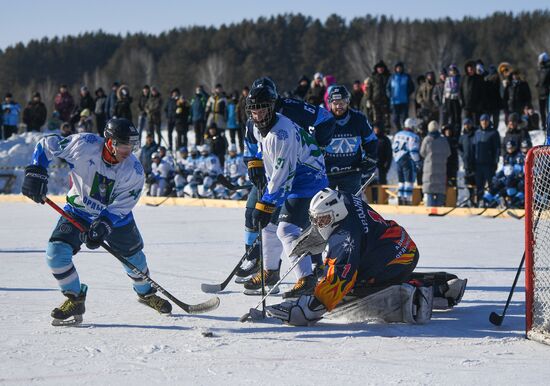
pixel 26 20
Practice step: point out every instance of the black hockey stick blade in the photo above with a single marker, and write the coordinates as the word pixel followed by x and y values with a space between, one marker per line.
pixel 499 213
pixel 200 308
pixel 495 319
pixel 480 213
pixel 226 183
pixel 436 214
pixel 513 215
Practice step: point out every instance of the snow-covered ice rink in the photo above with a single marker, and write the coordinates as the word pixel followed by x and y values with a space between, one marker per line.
pixel 121 342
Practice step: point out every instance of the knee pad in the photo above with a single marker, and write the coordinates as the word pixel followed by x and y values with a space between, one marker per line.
pixel 58 254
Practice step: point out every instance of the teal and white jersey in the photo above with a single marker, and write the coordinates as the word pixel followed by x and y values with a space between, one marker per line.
pixel 293 162
pixel 406 143
pixel 97 188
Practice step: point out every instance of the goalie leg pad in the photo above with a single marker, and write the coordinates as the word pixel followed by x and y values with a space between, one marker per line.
pixel 448 288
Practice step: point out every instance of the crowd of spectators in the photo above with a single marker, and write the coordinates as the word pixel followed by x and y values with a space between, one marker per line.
pixel 455 115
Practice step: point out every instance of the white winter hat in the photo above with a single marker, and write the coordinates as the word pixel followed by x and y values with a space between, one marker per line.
pixel 433 126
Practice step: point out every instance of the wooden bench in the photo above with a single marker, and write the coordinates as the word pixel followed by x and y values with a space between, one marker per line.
pixel 384 192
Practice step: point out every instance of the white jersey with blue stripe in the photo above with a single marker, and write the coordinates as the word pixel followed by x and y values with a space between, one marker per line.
pixel 97 189
pixel 293 162
pixel 406 143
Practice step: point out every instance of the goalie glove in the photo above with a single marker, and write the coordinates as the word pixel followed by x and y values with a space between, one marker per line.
pixel 305 311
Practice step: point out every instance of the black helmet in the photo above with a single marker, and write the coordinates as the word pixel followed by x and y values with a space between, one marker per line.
pixel 267 81
pixel 122 132
pixel 338 92
pixel 262 96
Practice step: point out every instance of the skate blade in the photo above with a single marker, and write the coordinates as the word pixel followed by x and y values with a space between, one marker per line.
pixel 259 292
pixel 74 321
pixel 242 280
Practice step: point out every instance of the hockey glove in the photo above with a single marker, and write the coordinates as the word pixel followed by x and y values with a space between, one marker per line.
pixel 99 230
pixel 35 183
pixel 256 173
pixel 262 215
pixel 305 311
pixel 368 168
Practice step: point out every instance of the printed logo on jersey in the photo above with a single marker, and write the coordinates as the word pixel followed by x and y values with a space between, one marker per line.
pixel 102 188
pixel 358 204
pixel 90 138
pixel 281 135
pixel 376 217
pixel 63 143
pixel 72 200
pixel 344 145
pixel 138 167
pixel 135 193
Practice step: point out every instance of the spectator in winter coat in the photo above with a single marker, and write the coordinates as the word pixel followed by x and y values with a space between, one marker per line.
pixel 514 132
pixel 451 94
pixel 216 108
pixel 170 111
pixel 34 115
pixel 122 105
pixel 466 151
pixel 10 116
pixel 198 116
pixel 424 97
pixel 531 118
pixel 486 154
pixel 543 86
pixel 86 100
pixel 242 117
pixel 434 151
pixel 384 152
pixel 438 98
pixel 182 121
pixel 153 108
pixel 316 92
pixel 111 101
pixel 217 142
pixel 356 95
pixel 99 110
pixel 64 103
pixel 398 89
pixel 233 125
pixel 493 99
pixel 85 123
pixel 452 161
pixel 301 90
pixel 471 93
pixel 142 119
pixel 519 94
pixel 147 151
pixel 375 103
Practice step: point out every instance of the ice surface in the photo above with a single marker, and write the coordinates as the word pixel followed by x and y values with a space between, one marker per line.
pixel 123 342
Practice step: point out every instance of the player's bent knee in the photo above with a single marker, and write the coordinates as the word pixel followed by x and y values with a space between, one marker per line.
pixel 58 253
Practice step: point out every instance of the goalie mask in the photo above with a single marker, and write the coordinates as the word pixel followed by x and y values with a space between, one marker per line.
pixel 260 105
pixel 326 210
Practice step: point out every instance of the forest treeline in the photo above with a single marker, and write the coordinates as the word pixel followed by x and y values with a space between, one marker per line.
pixel 283 47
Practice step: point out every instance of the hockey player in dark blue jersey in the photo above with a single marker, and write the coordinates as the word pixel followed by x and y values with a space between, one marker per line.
pixel 353 146
pixel 372 260
pixel 314 119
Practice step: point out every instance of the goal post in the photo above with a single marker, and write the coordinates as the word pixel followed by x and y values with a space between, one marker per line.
pixel 537 244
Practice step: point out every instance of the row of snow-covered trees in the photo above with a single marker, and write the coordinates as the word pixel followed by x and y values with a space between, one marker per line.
pixel 283 47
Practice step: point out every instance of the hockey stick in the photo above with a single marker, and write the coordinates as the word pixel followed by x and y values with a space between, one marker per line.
pixel 499 213
pixel 209 305
pixel 495 318
pixel 449 211
pixel 517 217
pixel 213 288
pixel 480 213
pixel 226 183
pixel 254 311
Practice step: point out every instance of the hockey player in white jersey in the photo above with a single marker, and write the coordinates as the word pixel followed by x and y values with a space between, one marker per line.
pixel 107 180
pixel 235 170
pixel 162 170
pixel 406 147
pixel 295 171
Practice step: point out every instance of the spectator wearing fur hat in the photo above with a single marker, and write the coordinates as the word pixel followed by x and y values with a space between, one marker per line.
pixel 35 113
pixel 543 85
pixel 122 105
pixel 316 92
pixel 434 151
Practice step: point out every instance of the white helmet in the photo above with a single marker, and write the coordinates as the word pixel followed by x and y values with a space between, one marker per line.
pixel 326 210
pixel 410 123
pixel 205 149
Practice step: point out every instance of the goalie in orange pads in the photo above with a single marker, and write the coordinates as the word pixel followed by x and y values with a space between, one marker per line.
pixel 370 258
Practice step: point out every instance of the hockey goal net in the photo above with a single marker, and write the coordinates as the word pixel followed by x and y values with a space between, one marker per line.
pixel 537 244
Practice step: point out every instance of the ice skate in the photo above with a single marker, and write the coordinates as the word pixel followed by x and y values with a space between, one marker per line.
pixel 154 301
pixel 304 286
pixel 254 285
pixel 70 312
pixel 246 270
